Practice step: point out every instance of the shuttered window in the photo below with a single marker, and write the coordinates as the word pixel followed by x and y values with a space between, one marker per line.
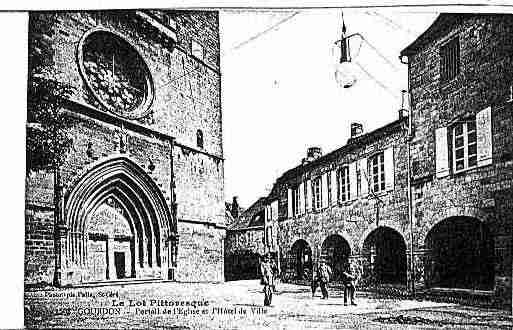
pixel 377 172
pixel 464 146
pixel 449 60
pixel 344 184
pixel 316 194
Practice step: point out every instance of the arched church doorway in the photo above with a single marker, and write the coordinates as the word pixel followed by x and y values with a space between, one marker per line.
pixel 118 226
pixel 110 243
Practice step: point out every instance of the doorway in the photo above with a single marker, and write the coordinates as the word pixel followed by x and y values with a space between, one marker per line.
pixel 119 262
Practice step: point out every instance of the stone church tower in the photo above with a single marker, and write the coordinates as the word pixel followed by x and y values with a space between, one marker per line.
pixel 138 193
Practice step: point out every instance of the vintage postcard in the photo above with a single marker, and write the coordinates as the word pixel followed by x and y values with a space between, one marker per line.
pixel 283 168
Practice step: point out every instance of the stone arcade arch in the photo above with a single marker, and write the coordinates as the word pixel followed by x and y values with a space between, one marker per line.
pixel 301 260
pixel 460 254
pixel 118 226
pixel 385 253
pixel 335 250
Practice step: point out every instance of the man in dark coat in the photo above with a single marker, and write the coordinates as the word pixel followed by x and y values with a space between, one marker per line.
pixel 266 272
pixel 349 285
pixel 321 279
pixel 276 273
pixel 324 278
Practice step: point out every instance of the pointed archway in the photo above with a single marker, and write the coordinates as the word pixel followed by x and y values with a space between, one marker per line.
pixel 118 226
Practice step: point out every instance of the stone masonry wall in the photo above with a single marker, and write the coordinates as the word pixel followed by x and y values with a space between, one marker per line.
pixel 486 73
pixel 187 98
pixel 316 226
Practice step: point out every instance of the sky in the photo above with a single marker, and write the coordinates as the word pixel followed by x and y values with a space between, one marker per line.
pixel 279 95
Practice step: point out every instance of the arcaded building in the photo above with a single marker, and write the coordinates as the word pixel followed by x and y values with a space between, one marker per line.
pixel 461 78
pixel 348 208
pixel 138 194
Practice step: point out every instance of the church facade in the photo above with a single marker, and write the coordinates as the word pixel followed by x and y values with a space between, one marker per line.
pixel 138 192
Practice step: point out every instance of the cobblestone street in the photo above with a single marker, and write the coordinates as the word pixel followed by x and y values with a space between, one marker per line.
pixel 238 305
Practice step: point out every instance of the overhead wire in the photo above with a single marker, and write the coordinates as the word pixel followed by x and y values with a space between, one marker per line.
pixel 264 32
pixel 377 81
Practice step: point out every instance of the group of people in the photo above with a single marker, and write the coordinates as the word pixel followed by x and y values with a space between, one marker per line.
pixel 269 272
pixel 323 277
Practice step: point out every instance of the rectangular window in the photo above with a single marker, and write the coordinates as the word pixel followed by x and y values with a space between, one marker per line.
pixel 169 20
pixel 316 193
pixel 450 60
pixel 377 172
pixel 464 146
pixel 343 179
pixel 197 50
pixel 295 201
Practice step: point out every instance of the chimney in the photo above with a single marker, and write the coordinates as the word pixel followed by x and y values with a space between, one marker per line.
pixel 312 154
pixel 356 130
pixel 235 207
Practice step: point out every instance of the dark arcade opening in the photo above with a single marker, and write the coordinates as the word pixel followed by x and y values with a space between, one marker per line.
pixel 335 251
pixel 243 265
pixel 461 255
pixel 385 251
pixel 301 255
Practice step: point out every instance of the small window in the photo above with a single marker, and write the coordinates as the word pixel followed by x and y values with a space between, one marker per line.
pixel 199 139
pixel 464 141
pixel 343 183
pixel 377 172
pixel 257 220
pixel 197 50
pixel 169 20
pixel 450 60
pixel 316 194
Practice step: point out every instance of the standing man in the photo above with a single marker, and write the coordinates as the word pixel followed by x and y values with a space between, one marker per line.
pixel 323 276
pixel 349 285
pixel 267 279
pixel 276 273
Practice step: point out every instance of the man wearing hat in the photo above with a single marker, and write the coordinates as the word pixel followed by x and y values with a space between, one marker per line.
pixel 267 279
pixel 349 285
pixel 322 279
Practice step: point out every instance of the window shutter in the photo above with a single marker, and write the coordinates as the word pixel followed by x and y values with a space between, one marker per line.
pixel 484 137
pixel 352 181
pixel 301 198
pixel 324 187
pixel 308 198
pixel 441 152
pixel 334 182
pixel 274 210
pixel 389 168
pixel 365 176
pixel 289 199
